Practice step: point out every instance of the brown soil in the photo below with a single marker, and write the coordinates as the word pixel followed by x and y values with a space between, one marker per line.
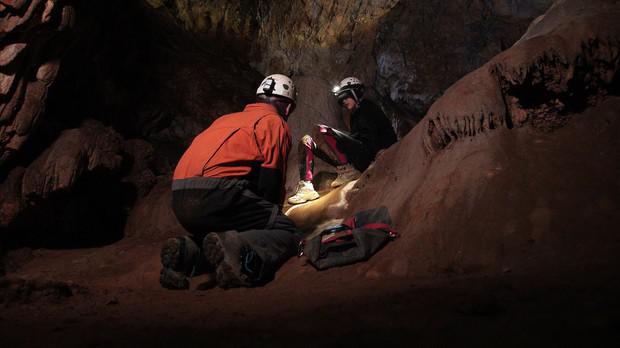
pixel 110 297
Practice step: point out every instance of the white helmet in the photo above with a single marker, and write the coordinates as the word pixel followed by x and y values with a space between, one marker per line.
pixel 277 84
pixel 349 87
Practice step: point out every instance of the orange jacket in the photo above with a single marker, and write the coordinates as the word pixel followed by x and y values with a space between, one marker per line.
pixel 238 145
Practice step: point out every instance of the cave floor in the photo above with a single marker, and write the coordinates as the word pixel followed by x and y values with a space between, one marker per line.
pixel 110 297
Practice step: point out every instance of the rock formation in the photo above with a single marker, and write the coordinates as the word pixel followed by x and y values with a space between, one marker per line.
pixel 514 168
pixel 33 37
pixel 96 110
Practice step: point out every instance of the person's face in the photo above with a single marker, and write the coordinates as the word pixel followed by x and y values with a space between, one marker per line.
pixel 349 103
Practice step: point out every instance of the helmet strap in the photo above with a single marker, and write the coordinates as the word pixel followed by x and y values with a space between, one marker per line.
pixel 358 100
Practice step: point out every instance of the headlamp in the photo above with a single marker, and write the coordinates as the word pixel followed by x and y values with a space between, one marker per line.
pixel 269 86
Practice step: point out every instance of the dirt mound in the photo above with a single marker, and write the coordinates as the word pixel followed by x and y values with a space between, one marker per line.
pixel 515 168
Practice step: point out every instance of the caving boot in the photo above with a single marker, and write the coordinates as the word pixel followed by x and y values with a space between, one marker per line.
pixel 346 173
pixel 305 192
pixel 236 263
pixel 179 259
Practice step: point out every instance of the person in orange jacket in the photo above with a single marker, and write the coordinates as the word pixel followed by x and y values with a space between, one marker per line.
pixel 227 192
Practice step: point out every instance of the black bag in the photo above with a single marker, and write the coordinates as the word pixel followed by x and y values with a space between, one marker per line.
pixel 355 239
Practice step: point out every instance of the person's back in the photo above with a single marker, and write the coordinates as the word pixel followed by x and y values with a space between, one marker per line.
pixel 239 145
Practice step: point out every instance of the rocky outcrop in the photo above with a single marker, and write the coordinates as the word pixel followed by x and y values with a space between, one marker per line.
pixel 101 111
pixel 49 195
pixel 89 148
pixel 544 79
pixel 32 35
pixel 514 168
pixel 423 47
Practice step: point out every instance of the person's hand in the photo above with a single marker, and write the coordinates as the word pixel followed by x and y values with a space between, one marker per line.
pixel 326 130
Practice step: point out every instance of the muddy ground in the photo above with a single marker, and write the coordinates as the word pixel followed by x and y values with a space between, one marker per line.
pixel 100 298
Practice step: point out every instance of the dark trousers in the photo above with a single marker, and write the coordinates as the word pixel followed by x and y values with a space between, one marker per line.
pixel 355 151
pixel 204 205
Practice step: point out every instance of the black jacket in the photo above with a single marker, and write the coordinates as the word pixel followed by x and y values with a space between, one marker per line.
pixel 370 126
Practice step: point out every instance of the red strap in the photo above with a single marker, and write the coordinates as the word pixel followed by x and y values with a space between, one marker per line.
pixel 333 237
pixel 382 226
pixel 350 222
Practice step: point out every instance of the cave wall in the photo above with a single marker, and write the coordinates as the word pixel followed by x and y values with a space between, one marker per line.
pixel 125 92
pixel 409 52
pixel 514 169
pixel 423 47
pixel 33 36
pixel 152 74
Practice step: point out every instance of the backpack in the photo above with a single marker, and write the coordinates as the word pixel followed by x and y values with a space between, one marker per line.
pixel 355 239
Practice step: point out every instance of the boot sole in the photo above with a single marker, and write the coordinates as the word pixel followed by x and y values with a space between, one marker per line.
pixel 171 254
pixel 227 270
pixel 171 276
pixel 173 280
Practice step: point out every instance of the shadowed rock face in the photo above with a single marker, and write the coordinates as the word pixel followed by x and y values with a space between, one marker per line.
pixel 32 38
pixel 423 47
pixel 514 168
pixel 98 100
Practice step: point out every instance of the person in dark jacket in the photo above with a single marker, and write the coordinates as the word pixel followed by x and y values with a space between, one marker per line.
pixel 351 153
pixel 227 192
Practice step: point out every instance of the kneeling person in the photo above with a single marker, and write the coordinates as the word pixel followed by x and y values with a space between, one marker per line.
pixel 227 192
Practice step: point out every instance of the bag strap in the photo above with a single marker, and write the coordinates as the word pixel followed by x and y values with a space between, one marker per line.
pixel 349 224
pixel 382 226
pixel 342 230
pixel 333 237
pixel 352 223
